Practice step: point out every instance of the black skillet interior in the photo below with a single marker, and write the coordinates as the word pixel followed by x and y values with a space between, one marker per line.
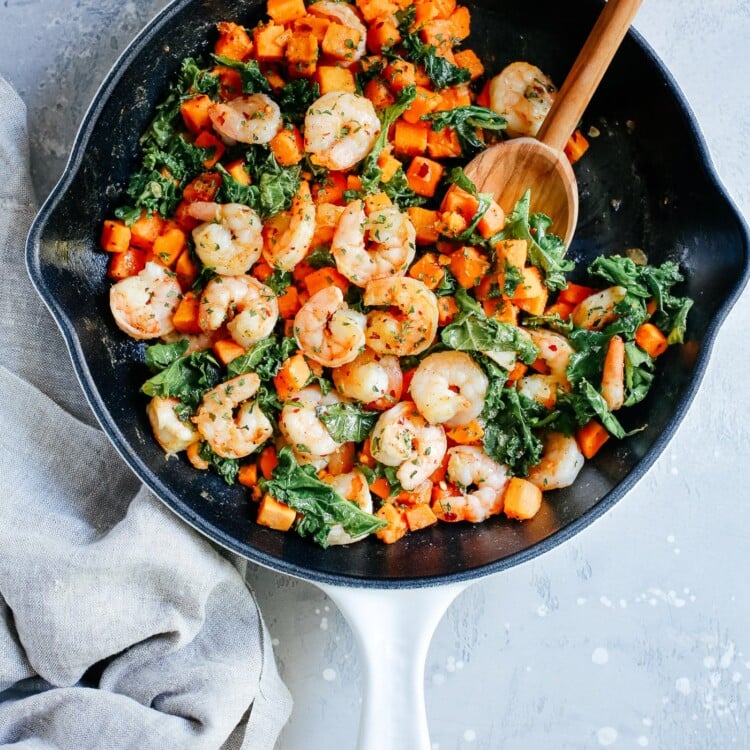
pixel 646 182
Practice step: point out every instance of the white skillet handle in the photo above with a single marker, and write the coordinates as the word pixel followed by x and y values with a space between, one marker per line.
pixel 393 628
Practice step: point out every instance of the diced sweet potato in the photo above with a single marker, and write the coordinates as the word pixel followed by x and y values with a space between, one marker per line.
pixel 275 515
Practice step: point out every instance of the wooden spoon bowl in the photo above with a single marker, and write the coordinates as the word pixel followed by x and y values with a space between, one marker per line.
pixel 508 169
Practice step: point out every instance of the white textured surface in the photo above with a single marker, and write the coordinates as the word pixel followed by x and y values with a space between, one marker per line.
pixel 635 633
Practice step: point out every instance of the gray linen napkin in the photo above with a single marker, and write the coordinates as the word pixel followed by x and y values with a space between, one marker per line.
pixel 119 626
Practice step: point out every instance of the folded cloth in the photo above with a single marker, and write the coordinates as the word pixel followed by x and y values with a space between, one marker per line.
pixel 120 627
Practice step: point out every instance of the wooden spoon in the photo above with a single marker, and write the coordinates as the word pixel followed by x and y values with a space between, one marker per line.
pixel 510 168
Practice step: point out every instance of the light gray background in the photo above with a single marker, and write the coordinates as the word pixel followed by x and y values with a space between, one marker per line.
pixel 634 634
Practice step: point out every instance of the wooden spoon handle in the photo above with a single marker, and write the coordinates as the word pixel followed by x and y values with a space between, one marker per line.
pixel 587 72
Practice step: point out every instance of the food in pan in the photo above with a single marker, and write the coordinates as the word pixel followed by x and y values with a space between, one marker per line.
pixel 335 318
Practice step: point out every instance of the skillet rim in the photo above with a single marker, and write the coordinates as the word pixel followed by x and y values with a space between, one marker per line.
pixel 279 564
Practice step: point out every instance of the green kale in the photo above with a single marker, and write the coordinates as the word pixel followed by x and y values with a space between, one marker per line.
pixel 184 160
pixel 151 191
pixel 448 284
pixel 473 331
pixel 226 468
pixel 639 373
pixel 587 360
pixel 320 257
pixel 467 121
pixel 153 187
pixel 296 97
pixel 401 195
pixel 650 282
pixel 166 155
pixel 253 80
pixel 512 277
pixel 440 71
pixel 546 251
pixel 600 409
pixel 232 191
pixel 204 276
pixel 160 356
pixel 272 189
pixel 363 77
pixel 371 172
pixel 186 378
pixel 264 358
pixel 322 508
pixel 279 281
pixel 192 79
pixel 347 422
pixel 510 419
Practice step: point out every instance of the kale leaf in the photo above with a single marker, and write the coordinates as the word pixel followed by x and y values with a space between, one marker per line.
pixel 160 356
pixel 226 468
pixel 193 78
pixel 253 80
pixel 466 121
pixel 639 373
pixel 150 191
pixel 166 155
pixel 439 70
pixel 398 190
pixel 371 172
pixel 647 282
pixel 473 331
pixel 264 358
pixel 320 257
pixel 347 422
pixel 296 97
pixel 272 189
pixel 509 420
pixel 546 251
pixel 186 378
pixel 322 507
pixel 279 281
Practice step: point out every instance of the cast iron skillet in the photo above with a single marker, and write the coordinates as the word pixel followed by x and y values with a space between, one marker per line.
pixel 646 182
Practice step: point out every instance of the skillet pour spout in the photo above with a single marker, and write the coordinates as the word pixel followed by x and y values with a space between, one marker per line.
pixel 646 182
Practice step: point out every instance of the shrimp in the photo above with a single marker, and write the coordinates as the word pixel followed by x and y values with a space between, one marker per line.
pixel 346 16
pixel 613 375
pixel 554 352
pixel 288 235
pixel 392 240
pixel 375 380
pixel 231 238
pixel 230 421
pixel 598 310
pixel 172 434
pixel 303 430
pixel 479 484
pixel 252 119
pixel 523 95
pixel 327 331
pixel 402 437
pixel 449 388
pixel 340 130
pixel 560 464
pixel 351 486
pixel 410 330
pixel 249 306
pixel 143 305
